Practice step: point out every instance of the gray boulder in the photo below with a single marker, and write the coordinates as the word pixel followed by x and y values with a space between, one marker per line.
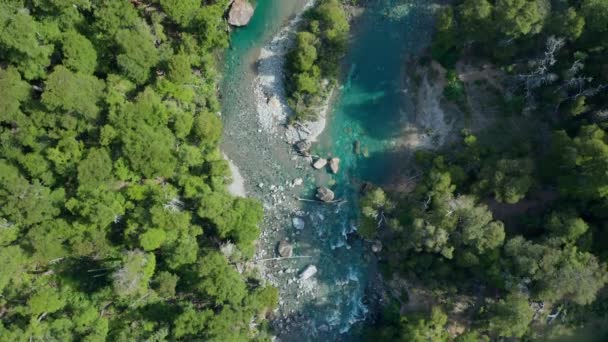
pixel 325 195
pixel 285 249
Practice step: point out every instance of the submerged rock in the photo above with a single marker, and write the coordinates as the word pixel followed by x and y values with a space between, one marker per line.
pixel 298 223
pixel 240 13
pixel 298 182
pixel 357 147
pixel 334 164
pixel 319 163
pixel 324 194
pixel 285 249
pixel 308 272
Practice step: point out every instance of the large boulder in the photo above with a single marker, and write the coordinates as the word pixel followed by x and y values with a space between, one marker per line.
pixel 308 272
pixel 324 194
pixel 334 165
pixel 285 249
pixel 240 13
pixel 319 163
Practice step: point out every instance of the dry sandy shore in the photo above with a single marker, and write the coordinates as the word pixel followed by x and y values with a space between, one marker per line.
pixel 237 187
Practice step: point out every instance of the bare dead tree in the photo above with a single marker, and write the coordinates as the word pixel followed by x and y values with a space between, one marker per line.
pixel 541 74
pixel 578 84
pixel 600 115
pixel 174 205
pixel 380 218
pixel 427 202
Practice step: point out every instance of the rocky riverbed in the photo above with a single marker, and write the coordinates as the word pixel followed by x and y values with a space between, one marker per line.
pixel 307 248
pixel 320 294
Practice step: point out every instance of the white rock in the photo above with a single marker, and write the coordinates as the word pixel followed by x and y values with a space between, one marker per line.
pixel 319 163
pixel 308 272
pixel 298 223
pixel 334 164
pixel 298 182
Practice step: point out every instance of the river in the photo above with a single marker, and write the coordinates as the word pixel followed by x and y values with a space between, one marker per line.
pixel 372 107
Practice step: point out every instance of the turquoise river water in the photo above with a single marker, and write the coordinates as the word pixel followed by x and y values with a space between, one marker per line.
pixel 371 107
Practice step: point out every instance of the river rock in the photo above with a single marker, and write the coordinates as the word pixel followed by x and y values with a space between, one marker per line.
pixel 298 182
pixel 303 147
pixel 357 147
pixel 285 249
pixel 324 194
pixel 298 223
pixel 377 246
pixel 308 272
pixel 319 163
pixel 240 13
pixel 274 103
pixel 334 165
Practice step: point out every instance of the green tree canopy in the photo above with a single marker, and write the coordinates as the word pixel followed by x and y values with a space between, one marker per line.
pixel 510 317
pixel 14 92
pixel 79 54
pixel 23 42
pixel 518 18
pixel 73 93
pixel 218 280
pixel 132 277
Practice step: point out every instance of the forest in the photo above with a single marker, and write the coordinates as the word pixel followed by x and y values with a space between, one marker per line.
pixel 511 217
pixel 115 222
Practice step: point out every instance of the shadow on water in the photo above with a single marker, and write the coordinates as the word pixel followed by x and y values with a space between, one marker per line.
pixel 385 168
pixel 374 88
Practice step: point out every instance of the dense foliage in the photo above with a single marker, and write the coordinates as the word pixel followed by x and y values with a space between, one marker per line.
pixel 545 177
pixel 313 62
pixel 112 189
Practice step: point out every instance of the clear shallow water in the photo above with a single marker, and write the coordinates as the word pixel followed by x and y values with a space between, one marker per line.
pixel 372 107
